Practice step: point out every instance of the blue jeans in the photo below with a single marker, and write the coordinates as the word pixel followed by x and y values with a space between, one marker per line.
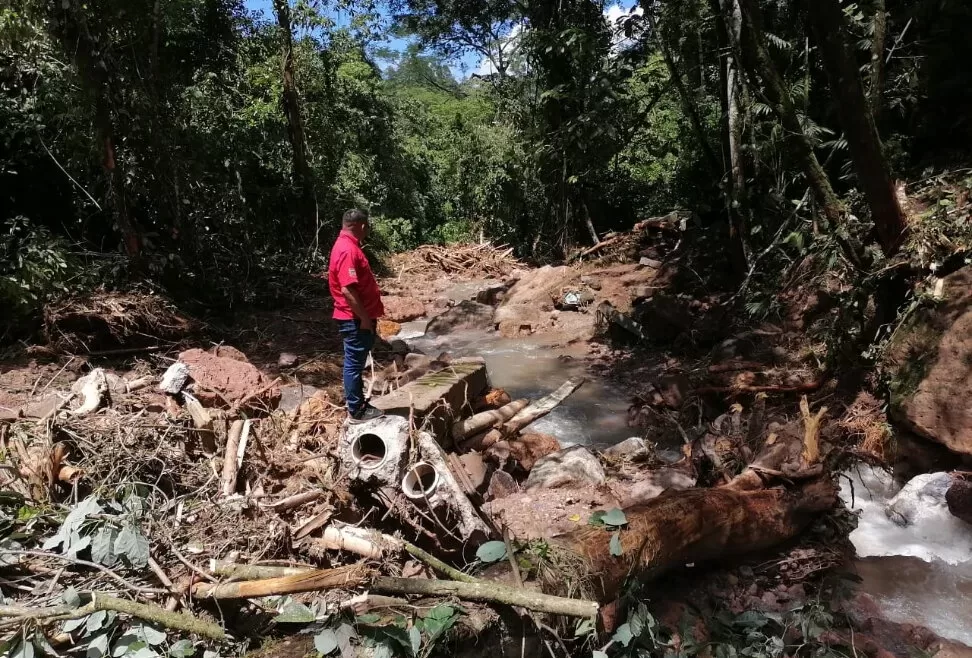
pixel 357 345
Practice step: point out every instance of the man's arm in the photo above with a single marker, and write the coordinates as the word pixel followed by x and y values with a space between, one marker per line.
pixel 350 293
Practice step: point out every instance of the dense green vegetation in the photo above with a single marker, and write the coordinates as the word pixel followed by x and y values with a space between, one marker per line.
pixel 191 140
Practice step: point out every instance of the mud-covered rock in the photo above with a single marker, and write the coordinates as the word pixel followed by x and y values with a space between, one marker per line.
pixel 464 316
pixel 403 309
pixel 931 357
pixel 627 449
pixel 575 466
pixel 224 381
pixel 959 499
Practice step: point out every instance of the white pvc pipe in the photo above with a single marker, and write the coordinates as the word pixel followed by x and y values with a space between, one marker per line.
pixel 369 451
pixel 420 481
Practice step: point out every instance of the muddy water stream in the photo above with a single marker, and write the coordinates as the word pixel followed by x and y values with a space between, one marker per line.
pixel 919 574
pixel 595 415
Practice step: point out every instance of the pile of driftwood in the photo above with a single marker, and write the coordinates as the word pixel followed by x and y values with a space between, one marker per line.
pixel 484 260
pixel 159 494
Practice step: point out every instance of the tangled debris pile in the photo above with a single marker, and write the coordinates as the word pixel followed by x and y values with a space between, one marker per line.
pixel 474 260
pixel 158 512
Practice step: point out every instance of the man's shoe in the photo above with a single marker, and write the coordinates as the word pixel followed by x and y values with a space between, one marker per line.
pixel 366 413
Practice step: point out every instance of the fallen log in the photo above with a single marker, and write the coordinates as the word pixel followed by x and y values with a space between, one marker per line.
pixel 689 526
pixel 487 419
pixel 533 412
pixel 357 576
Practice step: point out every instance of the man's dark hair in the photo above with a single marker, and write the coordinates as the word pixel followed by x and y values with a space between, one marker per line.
pixel 354 216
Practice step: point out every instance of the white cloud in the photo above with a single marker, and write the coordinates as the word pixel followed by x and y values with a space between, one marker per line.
pixel 507 46
pixel 615 15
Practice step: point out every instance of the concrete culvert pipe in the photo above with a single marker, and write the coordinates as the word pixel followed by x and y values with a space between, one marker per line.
pixel 369 451
pixel 420 481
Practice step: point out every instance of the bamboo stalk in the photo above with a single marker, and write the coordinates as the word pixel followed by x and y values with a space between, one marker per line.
pixel 489 593
pixel 175 620
pixel 254 571
pixel 229 458
pixel 305 581
pixel 487 419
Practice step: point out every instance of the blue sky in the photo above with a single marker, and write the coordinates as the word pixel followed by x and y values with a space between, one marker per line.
pixel 468 63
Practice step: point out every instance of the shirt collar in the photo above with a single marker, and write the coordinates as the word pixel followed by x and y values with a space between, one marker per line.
pixel 350 236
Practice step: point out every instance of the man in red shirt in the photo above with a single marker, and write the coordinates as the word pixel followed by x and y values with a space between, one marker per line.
pixel 357 307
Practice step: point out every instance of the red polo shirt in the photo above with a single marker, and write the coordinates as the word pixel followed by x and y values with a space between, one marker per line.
pixel 348 265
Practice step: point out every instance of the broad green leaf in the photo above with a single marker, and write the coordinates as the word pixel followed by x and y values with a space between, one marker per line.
pixel 597 518
pixel 182 649
pixel 584 627
pixel 369 618
pixel 102 545
pixel 344 634
pixel 623 635
pixel 97 647
pixel 133 546
pixel 491 551
pixel 416 637
pixel 153 637
pixel 71 598
pixel 614 517
pixel 96 620
pixel 325 642
pixel 294 612
pixel 616 544
pixel 442 612
pixel 72 625
pixel 384 650
pixel 599 654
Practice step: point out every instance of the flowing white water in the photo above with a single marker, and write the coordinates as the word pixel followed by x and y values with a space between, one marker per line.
pixel 919 573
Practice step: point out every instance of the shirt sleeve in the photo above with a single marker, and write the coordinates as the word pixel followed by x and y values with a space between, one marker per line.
pixel 347 273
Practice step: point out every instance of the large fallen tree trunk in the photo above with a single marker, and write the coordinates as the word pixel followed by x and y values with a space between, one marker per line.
pixel 694 525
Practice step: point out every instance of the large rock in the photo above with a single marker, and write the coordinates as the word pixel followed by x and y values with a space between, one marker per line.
pixel 959 499
pixel 464 316
pixel 403 309
pixel 932 356
pixel 437 397
pixel 223 381
pixel 921 495
pixel 575 467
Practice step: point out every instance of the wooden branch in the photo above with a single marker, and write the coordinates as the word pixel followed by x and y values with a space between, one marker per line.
pixel 489 593
pixel 228 481
pixel 487 419
pixel 349 576
pixel 811 433
pixel 174 620
pixel 533 412
pixel 238 571
pixel 296 500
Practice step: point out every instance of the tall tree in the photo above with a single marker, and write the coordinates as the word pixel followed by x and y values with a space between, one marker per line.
pixel 778 96
pixel 735 109
pixel 879 35
pixel 93 62
pixel 862 136
pixel 303 176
